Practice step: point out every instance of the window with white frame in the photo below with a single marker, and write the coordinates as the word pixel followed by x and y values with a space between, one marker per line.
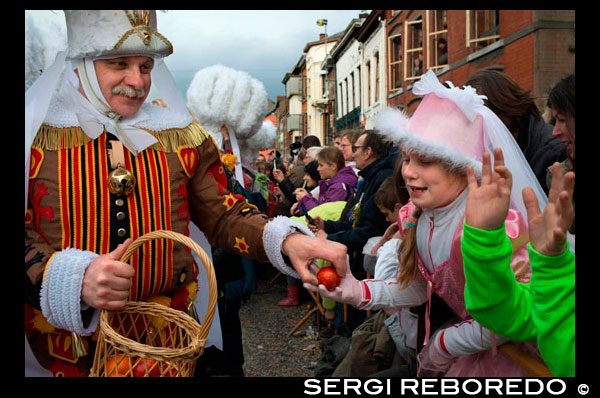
pixel 437 38
pixel 341 101
pixel 482 28
pixel 413 49
pixel 376 88
pixel 368 83
pixel 353 98
pixel 346 96
pixel 395 64
pixel 358 85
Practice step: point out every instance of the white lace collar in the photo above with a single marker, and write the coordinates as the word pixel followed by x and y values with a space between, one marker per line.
pixel 61 113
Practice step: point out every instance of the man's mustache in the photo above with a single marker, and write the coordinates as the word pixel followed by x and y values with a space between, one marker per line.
pixel 129 91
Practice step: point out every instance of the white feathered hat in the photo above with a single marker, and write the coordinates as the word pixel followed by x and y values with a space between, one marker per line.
pixel 454 126
pixel 99 33
pixel 220 95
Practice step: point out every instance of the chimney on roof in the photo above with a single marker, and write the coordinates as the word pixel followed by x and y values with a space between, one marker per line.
pixel 322 36
pixel 363 15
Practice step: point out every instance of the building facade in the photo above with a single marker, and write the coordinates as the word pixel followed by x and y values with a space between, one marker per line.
pixel 348 71
pixel 317 85
pixel 372 39
pixel 378 57
pixel 534 47
pixel 293 106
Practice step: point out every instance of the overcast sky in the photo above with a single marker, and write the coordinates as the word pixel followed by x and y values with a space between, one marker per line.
pixel 264 43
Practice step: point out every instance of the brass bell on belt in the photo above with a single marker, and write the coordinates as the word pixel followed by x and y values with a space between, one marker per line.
pixel 121 181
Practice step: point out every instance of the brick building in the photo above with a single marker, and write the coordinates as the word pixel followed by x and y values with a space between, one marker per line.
pixel 534 47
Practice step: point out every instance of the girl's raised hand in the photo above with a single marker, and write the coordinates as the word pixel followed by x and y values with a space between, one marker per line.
pixel 488 203
pixel 548 229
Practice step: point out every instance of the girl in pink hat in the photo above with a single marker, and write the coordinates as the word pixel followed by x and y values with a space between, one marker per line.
pixel 450 130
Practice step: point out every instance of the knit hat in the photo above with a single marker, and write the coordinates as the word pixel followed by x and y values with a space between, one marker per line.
pixel 311 170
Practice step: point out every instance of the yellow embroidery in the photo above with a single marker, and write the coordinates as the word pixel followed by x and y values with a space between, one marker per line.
pixel 230 201
pixel 241 245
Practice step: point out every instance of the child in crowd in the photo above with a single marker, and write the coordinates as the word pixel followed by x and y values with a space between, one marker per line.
pixel 338 181
pixel 544 310
pixel 380 343
pixel 389 201
pixel 311 180
pixel 450 130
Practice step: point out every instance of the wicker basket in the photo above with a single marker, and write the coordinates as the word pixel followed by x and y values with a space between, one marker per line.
pixel 150 339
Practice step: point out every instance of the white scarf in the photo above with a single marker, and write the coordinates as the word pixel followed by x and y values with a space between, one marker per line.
pixel 95 113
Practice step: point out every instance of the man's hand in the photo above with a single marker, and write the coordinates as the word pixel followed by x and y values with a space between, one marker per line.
pixel 294 209
pixel 107 280
pixel 303 250
pixel 321 234
pixel 488 203
pixel 319 223
pixel 548 230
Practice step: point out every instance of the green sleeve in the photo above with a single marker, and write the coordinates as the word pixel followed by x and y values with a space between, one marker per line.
pixel 553 284
pixel 492 295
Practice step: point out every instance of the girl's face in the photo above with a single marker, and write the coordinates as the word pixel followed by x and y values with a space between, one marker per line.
pixel 326 170
pixel 310 183
pixel 429 183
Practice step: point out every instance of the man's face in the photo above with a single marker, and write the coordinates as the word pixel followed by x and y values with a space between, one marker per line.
pixel 125 82
pixel 564 129
pixel 346 148
pixel 362 156
pixel 337 142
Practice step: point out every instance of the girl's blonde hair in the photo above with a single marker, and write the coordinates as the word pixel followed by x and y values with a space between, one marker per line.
pixel 408 268
pixel 407 254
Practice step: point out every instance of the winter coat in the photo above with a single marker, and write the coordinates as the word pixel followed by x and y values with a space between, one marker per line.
pixel 288 188
pixel 296 174
pixel 370 222
pixel 540 149
pixel 337 188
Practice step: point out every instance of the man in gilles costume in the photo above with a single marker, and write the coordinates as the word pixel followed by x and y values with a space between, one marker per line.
pixel 104 167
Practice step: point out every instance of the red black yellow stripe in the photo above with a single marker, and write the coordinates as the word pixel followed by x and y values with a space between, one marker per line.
pixel 149 210
pixel 83 172
pixel 84 198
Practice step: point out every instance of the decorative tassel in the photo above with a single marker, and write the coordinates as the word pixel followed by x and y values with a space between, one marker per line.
pixel 78 346
pixel 169 140
pixel 55 138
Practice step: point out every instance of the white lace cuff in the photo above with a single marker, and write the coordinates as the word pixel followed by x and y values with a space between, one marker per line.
pixel 275 233
pixel 60 296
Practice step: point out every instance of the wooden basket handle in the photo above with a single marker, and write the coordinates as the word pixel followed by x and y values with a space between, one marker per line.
pixel 184 240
